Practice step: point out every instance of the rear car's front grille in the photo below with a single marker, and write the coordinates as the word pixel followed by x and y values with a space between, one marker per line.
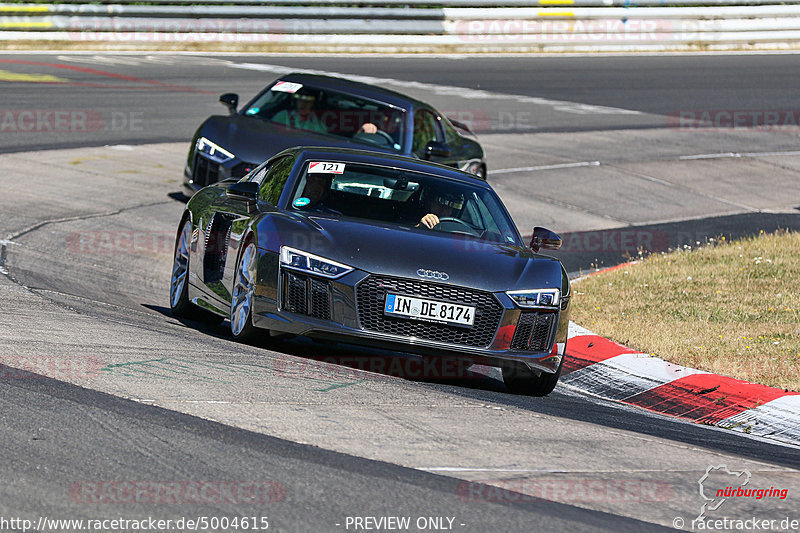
pixel 204 171
pixel 371 297
pixel 534 331
pixel 306 296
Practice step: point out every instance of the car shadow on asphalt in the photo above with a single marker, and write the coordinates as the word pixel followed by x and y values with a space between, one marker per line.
pixel 179 197
pixel 451 371
pixel 485 384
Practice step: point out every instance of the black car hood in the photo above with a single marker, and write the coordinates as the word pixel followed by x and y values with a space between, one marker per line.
pixel 399 251
pixel 255 140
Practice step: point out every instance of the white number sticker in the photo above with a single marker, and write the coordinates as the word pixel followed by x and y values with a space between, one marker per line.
pixel 287 87
pixel 325 168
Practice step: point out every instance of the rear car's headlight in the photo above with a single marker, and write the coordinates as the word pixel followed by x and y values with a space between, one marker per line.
pixel 536 298
pixel 214 151
pixel 314 264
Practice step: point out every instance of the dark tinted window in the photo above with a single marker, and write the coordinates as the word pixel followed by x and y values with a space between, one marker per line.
pixel 275 178
pixel 426 129
pixel 401 197
pixel 302 107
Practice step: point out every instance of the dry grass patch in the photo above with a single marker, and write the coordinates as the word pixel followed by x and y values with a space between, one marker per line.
pixel 732 308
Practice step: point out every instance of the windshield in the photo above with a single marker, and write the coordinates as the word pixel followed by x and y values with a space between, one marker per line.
pixel 403 198
pixel 298 106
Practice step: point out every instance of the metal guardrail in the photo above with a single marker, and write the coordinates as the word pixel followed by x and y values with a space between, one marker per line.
pixel 324 25
pixel 423 3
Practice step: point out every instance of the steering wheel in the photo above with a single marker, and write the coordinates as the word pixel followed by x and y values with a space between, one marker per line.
pixel 469 229
pixel 379 137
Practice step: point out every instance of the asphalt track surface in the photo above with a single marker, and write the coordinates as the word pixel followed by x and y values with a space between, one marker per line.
pixel 656 85
pixel 121 392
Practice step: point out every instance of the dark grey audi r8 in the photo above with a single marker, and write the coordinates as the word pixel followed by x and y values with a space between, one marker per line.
pixel 377 250
pixel 312 110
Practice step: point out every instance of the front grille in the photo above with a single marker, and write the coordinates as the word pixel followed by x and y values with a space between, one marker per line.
pixel 320 299
pixel 204 171
pixel 306 296
pixel 295 299
pixel 534 331
pixel 371 297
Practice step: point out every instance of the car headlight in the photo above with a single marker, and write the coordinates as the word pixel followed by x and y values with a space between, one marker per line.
pixel 214 151
pixel 536 298
pixel 314 264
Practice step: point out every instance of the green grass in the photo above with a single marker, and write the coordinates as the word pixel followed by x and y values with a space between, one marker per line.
pixel 731 308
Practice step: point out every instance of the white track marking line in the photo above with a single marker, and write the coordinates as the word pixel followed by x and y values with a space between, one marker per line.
pixel 477 469
pixel 442 55
pixel 709 156
pixel 449 90
pixel 736 155
pixel 546 167
pixel 686 188
pixel 769 154
pixel 653 179
pixel 727 155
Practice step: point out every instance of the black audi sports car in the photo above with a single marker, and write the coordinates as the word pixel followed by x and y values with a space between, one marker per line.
pixel 377 250
pixel 311 110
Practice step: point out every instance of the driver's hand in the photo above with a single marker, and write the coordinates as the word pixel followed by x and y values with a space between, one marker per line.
pixel 369 127
pixel 429 220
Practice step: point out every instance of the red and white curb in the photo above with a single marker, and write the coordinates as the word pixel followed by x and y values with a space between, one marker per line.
pixel 611 371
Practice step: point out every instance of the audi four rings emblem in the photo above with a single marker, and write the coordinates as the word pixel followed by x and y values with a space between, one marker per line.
pixel 433 274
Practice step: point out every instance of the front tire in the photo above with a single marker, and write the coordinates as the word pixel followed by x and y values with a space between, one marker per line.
pixel 244 286
pixel 520 379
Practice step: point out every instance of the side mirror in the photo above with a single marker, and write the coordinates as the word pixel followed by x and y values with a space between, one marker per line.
pixel 243 190
pixel 545 239
pixel 230 100
pixel 436 149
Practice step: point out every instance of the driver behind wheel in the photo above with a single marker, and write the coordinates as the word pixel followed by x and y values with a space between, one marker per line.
pixel 304 115
pixel 440 204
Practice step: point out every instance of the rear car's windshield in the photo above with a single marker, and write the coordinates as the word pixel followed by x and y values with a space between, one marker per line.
pixel 401 197
pixel 298 106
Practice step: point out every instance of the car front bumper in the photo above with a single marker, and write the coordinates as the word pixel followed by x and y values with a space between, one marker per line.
pixel 508 339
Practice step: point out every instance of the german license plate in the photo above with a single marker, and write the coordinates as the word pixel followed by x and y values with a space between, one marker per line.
pixel 429 310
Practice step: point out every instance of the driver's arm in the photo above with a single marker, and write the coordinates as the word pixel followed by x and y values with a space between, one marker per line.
pixel 429 221
pixel 281 117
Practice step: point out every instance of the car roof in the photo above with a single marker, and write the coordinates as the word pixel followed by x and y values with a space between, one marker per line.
pixel 378 158
pixel 356 88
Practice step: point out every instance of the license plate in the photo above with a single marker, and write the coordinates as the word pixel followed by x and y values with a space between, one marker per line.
pixel 429 310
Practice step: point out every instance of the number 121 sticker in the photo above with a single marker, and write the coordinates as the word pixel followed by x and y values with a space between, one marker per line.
pixel 325 168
